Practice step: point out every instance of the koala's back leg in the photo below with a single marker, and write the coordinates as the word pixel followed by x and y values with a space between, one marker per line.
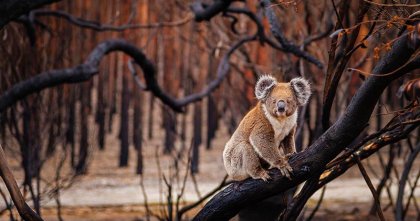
pixel 252 163
pixel 233 160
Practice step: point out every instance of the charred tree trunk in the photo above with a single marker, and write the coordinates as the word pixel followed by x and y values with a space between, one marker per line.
pixel 169 124
pixel 55 123
pixel 113 91
pixel 26 150
pixel 212 120
pixel 30 151
pixel 150 119
pixel 81 166
pixel 196 137
pixel 100 112
pixel 71 123
pixel 51 140
pixel 138 131
pixel 125 102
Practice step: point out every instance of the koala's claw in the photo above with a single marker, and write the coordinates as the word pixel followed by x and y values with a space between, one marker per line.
pixel 285 172
pixel 285 169
pixel 263 175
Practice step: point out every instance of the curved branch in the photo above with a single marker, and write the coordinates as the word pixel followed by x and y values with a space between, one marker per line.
pixel 222 71
pixel 260 27
pixel 87 70
pixel 204 12
pixel 12 9
pixel 233 198
pixel 285 43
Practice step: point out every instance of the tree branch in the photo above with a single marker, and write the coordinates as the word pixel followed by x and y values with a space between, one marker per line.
pixel 287 46
pixel 372 189
pixel 341 164
pixel 24 210
pixel 205 12
pixel 94 25
pixel 87 70
pixel 11 9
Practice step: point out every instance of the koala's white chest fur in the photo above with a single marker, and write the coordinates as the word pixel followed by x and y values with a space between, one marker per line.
pixel 281 128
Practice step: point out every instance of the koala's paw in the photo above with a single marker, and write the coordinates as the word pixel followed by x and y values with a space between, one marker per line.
pixel 262 174
pixel 285 168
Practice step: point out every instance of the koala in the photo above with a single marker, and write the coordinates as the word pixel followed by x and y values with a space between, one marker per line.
pixel 265 138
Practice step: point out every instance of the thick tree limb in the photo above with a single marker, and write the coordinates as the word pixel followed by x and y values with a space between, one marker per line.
pixel 236 196
pixel 11 9
pixel 341 164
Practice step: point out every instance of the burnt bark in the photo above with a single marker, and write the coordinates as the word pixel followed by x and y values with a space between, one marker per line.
pixel 212 120
pixel 113 91
pixel 169 125
pixel 100 112
pixel 197 125
pixel 11 9
pixel 151 117
pixel 138 130
pixel 70 130
pixel 125 102
pixel 81 167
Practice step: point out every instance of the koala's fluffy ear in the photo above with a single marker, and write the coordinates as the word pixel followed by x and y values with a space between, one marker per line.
pixel 302 90
pixel 264 85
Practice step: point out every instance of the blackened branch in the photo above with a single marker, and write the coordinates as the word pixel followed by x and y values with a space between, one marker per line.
pixel 341 164
pixel 260 28
pixel 87 70
pixel 44 80
pixel 204 12
pixel 287 46
pixel 12 9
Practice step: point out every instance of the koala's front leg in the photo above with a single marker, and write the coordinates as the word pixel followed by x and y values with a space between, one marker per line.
pixel 288 143
pixel 263 143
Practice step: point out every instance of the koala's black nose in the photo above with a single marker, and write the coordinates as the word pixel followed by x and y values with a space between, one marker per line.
pixel 281 106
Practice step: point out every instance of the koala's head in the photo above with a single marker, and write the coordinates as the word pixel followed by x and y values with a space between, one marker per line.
pixel 282 99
